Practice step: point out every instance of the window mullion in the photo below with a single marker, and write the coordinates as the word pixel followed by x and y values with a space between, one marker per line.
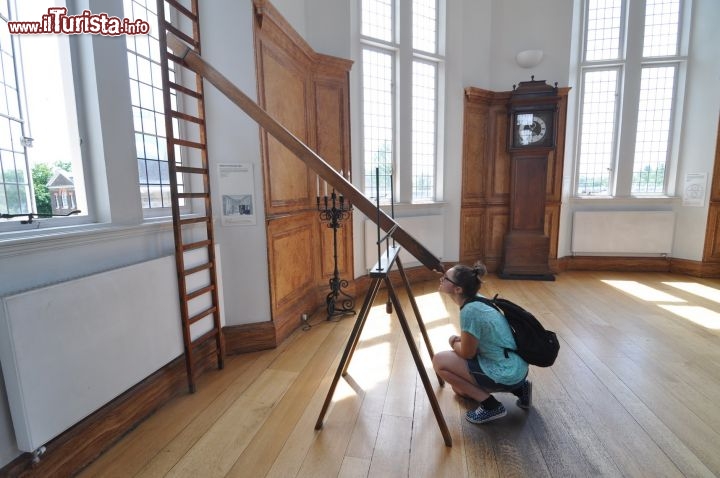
pixel 403 98
pixel 630 99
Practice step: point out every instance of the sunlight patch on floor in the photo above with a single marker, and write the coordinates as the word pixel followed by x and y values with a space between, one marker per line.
pixel 343 390
pixel 432 307
pixel 371 364
pixel 642 291
pixel 699 290
pixel 377 323
pixel 699 315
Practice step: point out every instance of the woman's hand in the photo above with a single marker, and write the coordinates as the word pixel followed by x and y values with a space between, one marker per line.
pixel 465 346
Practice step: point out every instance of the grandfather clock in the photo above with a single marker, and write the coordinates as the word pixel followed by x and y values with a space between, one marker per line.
pixel 532 116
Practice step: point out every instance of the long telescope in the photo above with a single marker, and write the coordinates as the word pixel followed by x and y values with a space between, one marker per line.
pixel 190 59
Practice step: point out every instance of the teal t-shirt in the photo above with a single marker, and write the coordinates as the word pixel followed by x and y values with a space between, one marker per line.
pixel 494 336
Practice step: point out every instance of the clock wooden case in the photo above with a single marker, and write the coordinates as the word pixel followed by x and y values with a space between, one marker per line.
pixel 533 111
pixel 532 135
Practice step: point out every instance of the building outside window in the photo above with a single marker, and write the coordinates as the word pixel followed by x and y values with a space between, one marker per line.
pixel 39 135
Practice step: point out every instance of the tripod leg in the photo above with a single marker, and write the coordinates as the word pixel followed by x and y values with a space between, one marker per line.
pixel 349 348
pixel 419 365
pixel 416 309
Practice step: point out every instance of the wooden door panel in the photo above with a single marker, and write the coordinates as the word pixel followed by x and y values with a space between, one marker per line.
pixel 331 130
pixel 285 98
pixel 499 166
pixel 498 220
pixel 292 266
pixel 475 132
pixel 472 232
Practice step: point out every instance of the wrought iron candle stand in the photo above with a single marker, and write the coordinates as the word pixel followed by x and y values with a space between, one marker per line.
pixel 334 211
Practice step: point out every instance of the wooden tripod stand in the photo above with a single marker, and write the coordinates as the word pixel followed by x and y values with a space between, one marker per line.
pixel 379 274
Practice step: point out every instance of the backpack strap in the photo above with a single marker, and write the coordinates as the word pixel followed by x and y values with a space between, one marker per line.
pixel 477 298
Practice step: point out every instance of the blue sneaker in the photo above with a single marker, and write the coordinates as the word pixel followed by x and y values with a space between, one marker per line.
pixel 480 415
pixel 525 397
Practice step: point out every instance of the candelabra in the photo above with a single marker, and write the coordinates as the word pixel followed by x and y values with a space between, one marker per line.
pixel 334 210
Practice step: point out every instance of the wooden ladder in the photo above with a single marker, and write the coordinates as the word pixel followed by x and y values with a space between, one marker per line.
pixel 188 169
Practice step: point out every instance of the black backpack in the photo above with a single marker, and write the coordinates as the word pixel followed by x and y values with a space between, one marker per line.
pixel 535 345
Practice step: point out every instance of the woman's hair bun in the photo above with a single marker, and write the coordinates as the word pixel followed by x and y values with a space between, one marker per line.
pixel 479 269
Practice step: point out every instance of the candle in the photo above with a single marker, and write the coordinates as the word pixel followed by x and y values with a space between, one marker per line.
pixel 317 185
pixel 325 187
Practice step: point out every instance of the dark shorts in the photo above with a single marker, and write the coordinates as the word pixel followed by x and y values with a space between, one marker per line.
pixel 485 382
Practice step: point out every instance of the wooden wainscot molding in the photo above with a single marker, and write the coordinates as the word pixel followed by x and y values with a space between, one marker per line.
pixel 613 263
pixel 695 268
pixel 240 339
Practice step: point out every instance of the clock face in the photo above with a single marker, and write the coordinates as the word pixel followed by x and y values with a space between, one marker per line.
pixel 532 128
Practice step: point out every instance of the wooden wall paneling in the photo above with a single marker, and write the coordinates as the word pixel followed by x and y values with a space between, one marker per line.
pixel 293 264
pixel 332 86
pixel 498 174
pixel 333 144
pixel 711 251
pixel 556 159
pixel 498 221
pixel 552 225
pixel 308 93
pixel 287 94
pixel 475 138
pixel 472 225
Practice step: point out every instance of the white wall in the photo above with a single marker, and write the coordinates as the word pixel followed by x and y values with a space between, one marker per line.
pixel 227 42
pixel 519 25
pixel 700 124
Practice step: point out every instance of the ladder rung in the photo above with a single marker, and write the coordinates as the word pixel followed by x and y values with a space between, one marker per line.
pixel 196 269
pixel 188 169
pixel 182 35
pixel 193 195
pixel 194 220
pixel 197 293
pixel 186 143
pixel 181 9
pixel 202 315
pixel 204 337
pixel 183 89
pixel 186 117
pixel 195 245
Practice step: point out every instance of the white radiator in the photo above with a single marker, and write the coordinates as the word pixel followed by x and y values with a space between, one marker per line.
pixel 428 230
pixel 623 233
pixel 69 348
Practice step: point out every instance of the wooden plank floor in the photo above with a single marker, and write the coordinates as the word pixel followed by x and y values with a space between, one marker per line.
pixel 633 393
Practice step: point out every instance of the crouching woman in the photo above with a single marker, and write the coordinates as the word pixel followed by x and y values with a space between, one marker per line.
pixel 478 364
